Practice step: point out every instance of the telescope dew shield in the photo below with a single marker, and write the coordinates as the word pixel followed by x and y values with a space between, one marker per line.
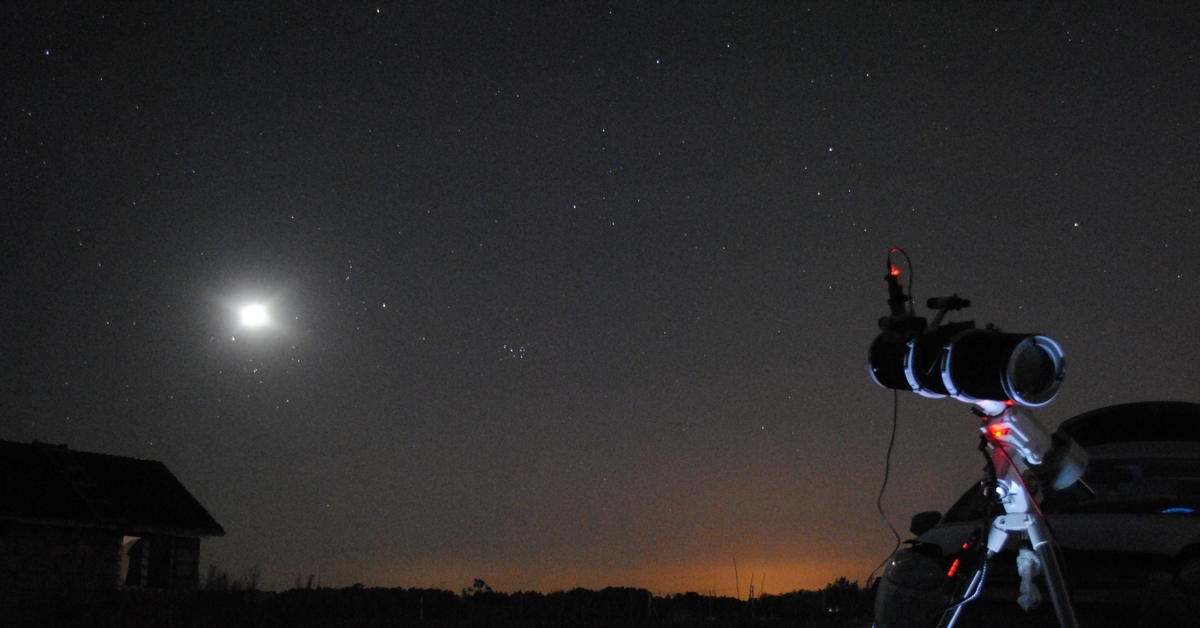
pixel 982 365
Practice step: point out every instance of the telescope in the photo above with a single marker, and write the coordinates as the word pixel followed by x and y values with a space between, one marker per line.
pixel 997 373
pixel 958 360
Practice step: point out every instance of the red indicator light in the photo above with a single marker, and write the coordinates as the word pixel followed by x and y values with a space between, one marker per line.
pixel 895 272
pixel 967 545
pixel 999 432
pixel 1009 402
pixel 953 569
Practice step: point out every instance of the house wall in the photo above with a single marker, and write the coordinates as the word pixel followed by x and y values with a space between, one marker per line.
pixel 57 560
pixel 185 563
pixel 164 562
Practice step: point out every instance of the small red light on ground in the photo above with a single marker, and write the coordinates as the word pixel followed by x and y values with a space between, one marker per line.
pixel 894 271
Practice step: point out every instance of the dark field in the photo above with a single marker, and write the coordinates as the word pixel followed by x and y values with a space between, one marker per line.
pixel 840 604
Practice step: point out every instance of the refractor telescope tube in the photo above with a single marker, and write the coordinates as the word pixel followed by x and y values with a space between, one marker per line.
pixel 969 364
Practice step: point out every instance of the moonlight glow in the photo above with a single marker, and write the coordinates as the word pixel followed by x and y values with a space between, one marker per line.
pixel 254 315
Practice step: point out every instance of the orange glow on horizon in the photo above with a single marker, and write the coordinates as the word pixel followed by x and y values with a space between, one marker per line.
pixel 773 578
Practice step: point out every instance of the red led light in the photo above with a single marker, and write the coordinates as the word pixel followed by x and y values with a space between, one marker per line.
pixel 999 432
pixel 893 270
pixel 953 569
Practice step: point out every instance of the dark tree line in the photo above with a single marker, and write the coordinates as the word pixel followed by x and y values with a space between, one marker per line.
pixel 841 603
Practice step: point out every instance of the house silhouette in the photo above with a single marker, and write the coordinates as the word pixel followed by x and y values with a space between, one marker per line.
pixel 79 524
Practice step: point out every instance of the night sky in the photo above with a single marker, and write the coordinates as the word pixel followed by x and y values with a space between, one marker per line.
pixel 575 294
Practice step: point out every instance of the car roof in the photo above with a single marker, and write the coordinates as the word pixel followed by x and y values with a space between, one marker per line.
pixel 1136 422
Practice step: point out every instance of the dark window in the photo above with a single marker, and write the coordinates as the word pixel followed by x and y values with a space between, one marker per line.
pixel 1129 486
pixel 970 507
pixel 1133 486
pixel 135 576
pixel 162 556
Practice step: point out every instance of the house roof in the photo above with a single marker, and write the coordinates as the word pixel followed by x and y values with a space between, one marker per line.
pixel 51 484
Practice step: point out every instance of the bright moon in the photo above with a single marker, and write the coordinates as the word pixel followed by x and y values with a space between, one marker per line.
pixel 254 315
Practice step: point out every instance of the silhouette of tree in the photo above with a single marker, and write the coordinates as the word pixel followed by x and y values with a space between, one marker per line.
pixel 479 587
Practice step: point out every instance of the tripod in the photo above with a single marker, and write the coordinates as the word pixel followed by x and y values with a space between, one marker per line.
pixel 1015 441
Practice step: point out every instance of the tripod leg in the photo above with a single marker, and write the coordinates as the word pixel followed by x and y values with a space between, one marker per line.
pixel 1057 586
pixel 950 615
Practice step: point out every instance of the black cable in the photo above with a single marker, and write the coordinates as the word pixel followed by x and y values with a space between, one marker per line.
pixel 887 461
pixel 887 471
pixel 990 485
